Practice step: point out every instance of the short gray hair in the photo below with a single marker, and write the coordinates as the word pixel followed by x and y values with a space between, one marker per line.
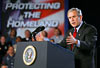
pixel 79 12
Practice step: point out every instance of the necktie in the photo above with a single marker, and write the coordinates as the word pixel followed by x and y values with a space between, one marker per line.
pixel 74 35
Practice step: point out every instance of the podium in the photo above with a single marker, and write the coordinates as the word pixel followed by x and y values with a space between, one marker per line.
pixel 48 55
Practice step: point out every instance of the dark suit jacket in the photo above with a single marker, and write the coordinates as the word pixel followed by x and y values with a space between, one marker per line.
pixel 84 55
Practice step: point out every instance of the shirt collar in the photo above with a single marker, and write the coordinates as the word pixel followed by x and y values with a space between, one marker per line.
pixel 27 38
pixel 79 26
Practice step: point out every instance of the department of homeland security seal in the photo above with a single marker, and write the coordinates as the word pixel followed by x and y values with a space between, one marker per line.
pixel 29 55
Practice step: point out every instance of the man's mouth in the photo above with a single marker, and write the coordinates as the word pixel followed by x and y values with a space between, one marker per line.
pixel 73 23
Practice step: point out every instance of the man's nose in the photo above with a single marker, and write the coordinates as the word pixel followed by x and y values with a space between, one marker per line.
pixel 72 19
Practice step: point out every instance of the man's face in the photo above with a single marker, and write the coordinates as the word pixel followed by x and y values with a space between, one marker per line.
pixel 43 33
pixel 56 32
pixel 11 50
pixel 27 34
pixel 18 40
pixel 74 19
pixel 12 33
pixel 3 40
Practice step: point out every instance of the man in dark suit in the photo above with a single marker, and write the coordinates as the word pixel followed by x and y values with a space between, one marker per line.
pixel 81 39
pixel 27 36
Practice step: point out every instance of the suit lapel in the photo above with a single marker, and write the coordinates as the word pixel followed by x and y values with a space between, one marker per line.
pixel 80 32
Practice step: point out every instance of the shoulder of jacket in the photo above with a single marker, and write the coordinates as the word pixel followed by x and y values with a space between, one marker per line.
pixel 91 27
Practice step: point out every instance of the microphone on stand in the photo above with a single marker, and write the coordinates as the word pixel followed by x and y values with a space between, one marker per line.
pixel 41 28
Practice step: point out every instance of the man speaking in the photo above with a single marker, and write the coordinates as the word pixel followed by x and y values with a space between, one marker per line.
pixel 81 39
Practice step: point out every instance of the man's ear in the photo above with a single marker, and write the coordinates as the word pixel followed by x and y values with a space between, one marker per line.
pixel 81 17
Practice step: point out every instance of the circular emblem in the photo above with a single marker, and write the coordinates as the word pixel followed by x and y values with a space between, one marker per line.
pixel 29 55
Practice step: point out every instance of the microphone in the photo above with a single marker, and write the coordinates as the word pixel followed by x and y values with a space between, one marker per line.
pixel 38 30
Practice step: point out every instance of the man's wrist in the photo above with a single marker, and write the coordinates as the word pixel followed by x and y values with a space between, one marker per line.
pixel 76 42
